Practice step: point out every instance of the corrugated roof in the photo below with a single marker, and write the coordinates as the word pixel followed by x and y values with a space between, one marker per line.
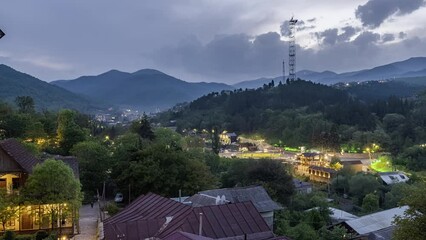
pixel 20 154
pixel 151 216
pixel 223 221
pixel 149 206
pixel 383 234
pixel 376 221
pixel 393 177
pixel 256 194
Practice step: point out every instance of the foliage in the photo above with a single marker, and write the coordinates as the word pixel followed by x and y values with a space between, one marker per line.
pixel 25 104
pixel 52 182
pixel 41 235
pixel 415 158
pixel 272 174
pixel 412 224
pixel 112 208
pixel 143 128
pixel 394 197
pixel 69 133
pixel 370 203
pixel 362 184
pixel 9 235
pixel 9 206
pixel 94 162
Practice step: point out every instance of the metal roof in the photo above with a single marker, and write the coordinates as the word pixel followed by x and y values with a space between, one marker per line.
pixel 256 194
pixel 393 177
pixel 376 221
pixel 149 206
pixel 20 154
pixel 154 216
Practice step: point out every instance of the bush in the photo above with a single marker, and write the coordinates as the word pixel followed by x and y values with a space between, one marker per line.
pixel 112 209
pixel 24 237
pixel 9 235
pixel 40 235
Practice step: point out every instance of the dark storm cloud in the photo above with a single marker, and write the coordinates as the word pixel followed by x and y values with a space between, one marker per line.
pixel 375 12
pixel 332 36
pixel 402 35
pixel 227 55
pixel 388 37
pixel 300 26
pixel 366 38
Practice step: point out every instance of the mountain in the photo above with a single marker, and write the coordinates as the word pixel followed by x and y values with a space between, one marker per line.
pixel 46 96
pixel 412 67
pixel 146 89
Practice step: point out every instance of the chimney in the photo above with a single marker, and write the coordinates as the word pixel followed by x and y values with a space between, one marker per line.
pixel 200 228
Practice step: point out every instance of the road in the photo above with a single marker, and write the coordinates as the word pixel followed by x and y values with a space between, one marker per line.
pixel 88 222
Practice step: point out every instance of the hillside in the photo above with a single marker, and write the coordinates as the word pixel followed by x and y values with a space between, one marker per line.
pixel 146 89
pixel 412 67
pixel 46 96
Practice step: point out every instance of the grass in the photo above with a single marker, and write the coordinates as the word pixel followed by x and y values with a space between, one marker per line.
pixel 381 166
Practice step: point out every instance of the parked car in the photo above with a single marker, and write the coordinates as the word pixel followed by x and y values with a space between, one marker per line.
pixel 118 198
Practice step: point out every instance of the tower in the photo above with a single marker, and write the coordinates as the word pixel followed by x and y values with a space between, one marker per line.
pixel 283 81
pixel 292 50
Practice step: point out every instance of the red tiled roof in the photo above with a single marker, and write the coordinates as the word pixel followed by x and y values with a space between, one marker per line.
pixel 20 154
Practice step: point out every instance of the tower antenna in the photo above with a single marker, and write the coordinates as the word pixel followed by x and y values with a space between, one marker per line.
pixel 292 50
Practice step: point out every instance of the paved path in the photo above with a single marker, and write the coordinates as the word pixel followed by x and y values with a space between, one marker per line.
pixel 88 222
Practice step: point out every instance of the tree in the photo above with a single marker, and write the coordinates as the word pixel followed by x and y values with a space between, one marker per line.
pixel 370 203
pixel 52 182
pixel 412 224
pixel 69 133
pixel 9 207
pixel 94 162
pixel 361 185
pixel 143 128
pixel 25 104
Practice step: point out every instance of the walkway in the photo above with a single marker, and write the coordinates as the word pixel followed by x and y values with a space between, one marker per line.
pixel 88 222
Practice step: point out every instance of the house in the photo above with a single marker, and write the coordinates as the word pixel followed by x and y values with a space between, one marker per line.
pixel 375 223
pixel 390 178
pixel 16 164
pixel 354 165
pixel 302 187
pixel 255 194
pixel 321 174
pixel 152 216
pixel 228 138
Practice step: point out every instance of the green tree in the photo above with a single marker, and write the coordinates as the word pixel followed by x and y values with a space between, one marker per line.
pixel 412 224
pixel 69 133
pixel 361 185
pixel 94 162
pixel 25 104
pixel 9 207
pixel 370 203
pixel 53 182
pixel 302 231
pixel 143 128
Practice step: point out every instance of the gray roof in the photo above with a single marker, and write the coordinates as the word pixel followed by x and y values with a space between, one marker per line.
pixel 376 221
pixel 393 177
pixel 383 234
pixel 301 184
pixel 256 194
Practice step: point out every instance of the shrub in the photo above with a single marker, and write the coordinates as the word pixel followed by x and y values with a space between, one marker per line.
pixel 112 209
pixel 9 235
pixel 24 237
pixel 40 235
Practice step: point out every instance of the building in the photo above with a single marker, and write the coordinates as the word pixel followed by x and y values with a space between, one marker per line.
pixel 302 187
pixel 373 224
pixel 355 165
pixel 16 164
pixel 228 138
pixel 321 174
pixel 255 194
pixel 151 216
pixel 390 178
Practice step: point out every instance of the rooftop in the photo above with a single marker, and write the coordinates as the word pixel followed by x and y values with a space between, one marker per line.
pixel 376 221
pixel 20 154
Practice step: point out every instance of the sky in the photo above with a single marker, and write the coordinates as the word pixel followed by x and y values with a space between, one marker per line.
pixel 206 40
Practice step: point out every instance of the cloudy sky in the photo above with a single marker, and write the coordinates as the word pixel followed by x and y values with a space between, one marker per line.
pixel 206 40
